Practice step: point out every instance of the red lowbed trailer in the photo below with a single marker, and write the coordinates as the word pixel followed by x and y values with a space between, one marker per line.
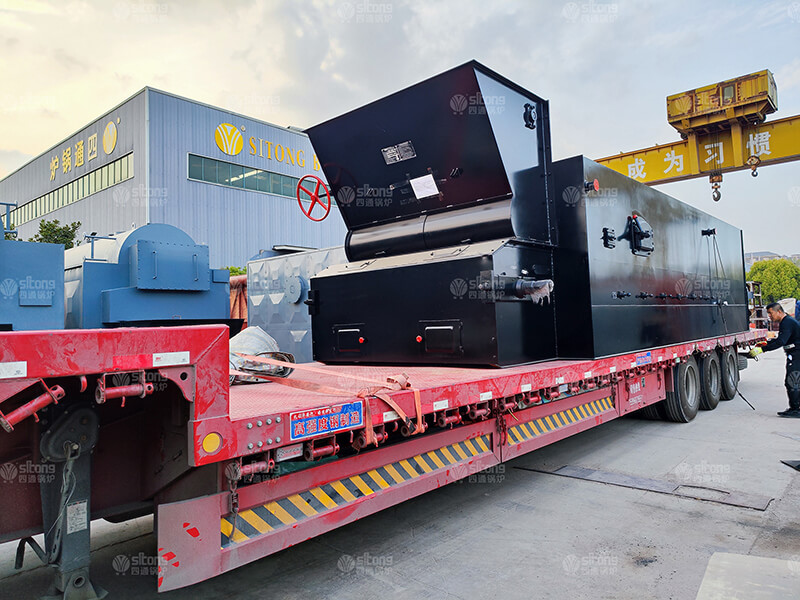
pixel 116 423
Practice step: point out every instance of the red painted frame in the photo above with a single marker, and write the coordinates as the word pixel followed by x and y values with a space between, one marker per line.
pixel 202 377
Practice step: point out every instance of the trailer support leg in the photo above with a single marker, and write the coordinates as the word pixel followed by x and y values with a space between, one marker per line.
pixel 65 504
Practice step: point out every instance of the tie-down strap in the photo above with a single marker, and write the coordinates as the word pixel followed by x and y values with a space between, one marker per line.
pixel 379 390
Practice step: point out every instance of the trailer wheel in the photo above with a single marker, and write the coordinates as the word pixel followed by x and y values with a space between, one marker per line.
pixel 710 381
pixel 654 412
pixel 729 367
pixel 682 403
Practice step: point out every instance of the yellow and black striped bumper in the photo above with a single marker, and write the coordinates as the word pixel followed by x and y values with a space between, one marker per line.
pixel 565 418
pixel 285 512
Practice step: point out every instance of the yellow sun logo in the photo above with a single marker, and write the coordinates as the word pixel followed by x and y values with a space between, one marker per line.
pixel 228 139
pixel 110 137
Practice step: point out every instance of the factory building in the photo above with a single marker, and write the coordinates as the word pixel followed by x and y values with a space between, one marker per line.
pixel 227 180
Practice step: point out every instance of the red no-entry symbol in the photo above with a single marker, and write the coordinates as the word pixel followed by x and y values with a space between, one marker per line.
pixel 324 201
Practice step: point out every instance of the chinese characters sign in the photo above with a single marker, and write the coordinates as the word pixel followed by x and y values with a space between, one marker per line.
pixel 330 419
pixel 82 151
pixel 771 142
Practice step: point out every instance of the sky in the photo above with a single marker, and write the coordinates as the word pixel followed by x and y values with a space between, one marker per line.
pixel 606 73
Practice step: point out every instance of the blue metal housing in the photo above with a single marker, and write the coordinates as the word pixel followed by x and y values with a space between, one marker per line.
pixel 31 285
pixel 151 274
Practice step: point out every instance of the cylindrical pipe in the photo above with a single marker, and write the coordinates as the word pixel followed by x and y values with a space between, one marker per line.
pixel 313 453
pixel 361 439
pixel 476 413
pixel 444 420
pixel 26 410
pixel 129 391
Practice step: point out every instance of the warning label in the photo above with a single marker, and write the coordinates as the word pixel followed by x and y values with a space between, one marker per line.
pixel 77 517
pixel 398 153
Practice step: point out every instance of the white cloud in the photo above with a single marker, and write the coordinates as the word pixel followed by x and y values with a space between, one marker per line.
pixel 606 71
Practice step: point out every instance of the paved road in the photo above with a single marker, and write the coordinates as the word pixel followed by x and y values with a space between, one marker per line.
pixel 534 535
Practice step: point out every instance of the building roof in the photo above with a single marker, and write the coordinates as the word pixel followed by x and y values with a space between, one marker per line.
pixel 760 253
pixel 147 88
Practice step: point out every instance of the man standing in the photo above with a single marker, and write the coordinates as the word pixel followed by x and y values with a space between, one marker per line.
pixel 788 339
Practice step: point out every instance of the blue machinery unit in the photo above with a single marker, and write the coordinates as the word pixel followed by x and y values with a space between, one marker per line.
pixel 31 283
pixel 152 275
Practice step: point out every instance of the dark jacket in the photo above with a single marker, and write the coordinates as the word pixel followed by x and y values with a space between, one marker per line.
pixel 788 335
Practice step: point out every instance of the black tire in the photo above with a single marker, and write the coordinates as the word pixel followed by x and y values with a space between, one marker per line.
pixel 710 381
pixel 654 412
pixel 729 366
pixel 683 402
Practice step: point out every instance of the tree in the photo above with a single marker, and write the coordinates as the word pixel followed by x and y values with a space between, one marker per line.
pixel 236 270
pixel 53 232
pixel 779 278
pixel 10 236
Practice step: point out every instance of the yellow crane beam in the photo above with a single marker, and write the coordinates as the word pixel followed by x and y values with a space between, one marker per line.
pixel 714 153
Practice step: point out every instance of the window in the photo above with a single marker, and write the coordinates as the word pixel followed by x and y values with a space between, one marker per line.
pixel 195 167
pixel 86 185
pixel 209 170
pixel 237 176
pixel 250 179
pixel 275 180
pixel 727 93
pixel 240 176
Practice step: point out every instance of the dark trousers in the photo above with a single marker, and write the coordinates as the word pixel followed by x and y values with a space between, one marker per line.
pixel 792 381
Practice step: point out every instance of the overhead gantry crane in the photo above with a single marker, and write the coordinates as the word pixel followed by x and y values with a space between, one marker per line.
pixel 723 129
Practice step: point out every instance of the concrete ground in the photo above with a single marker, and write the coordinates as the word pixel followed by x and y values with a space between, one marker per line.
pixel 535 535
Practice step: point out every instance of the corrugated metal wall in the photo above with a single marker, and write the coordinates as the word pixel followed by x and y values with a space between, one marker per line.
pixel 235 223
pixel 111 210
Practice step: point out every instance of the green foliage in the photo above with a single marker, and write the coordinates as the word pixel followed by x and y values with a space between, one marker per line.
pixel 236 270
pixel 11 236
pixel 53 232
pixel 779 279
